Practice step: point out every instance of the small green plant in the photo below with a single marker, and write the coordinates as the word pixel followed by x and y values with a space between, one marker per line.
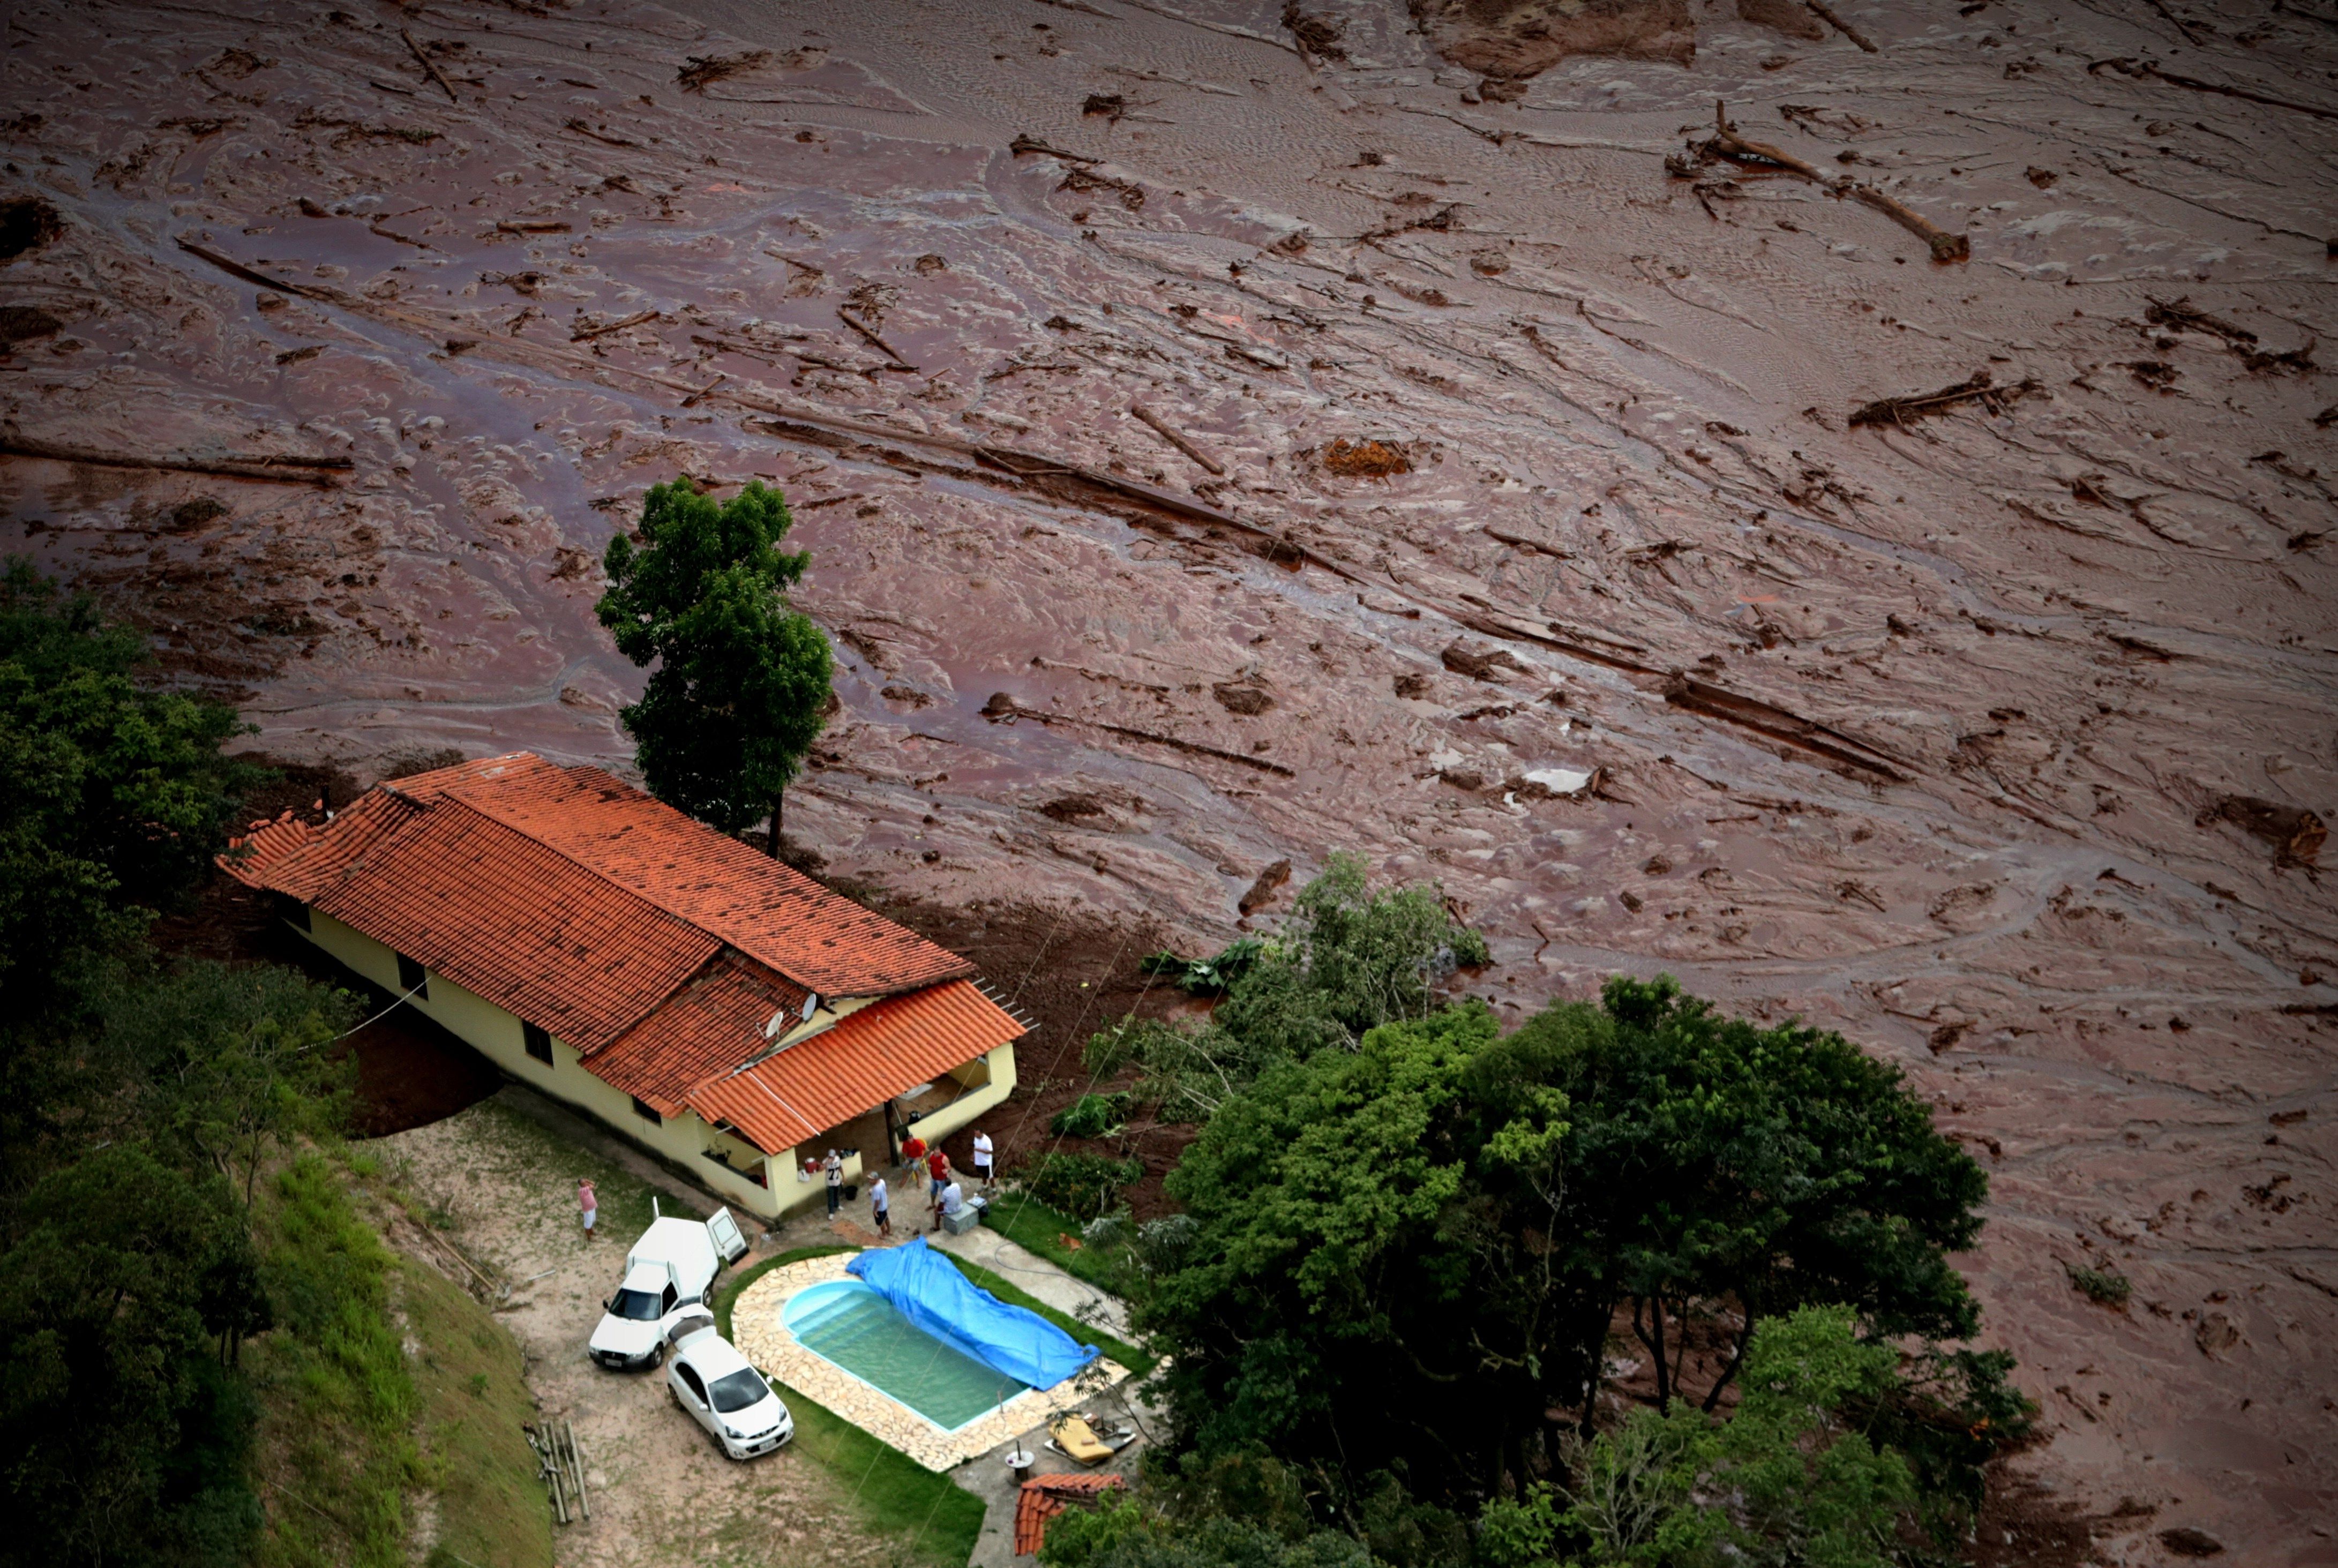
pixel 2104 1287
pixel 1090 1116
pixel 1085 1186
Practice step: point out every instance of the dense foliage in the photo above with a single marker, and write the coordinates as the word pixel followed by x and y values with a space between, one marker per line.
pixel 1351 958
pixel 741 681
pixel 1083 1186
pixel 139 1105
pixel 1406 1254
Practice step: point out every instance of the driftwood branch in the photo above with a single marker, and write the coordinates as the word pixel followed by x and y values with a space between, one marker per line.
pixel 1826 13
pixel 1004 707
pixel 428 69
pixel 1176 439
pixel 1945 246
pixel 1976 389
pixel 317 471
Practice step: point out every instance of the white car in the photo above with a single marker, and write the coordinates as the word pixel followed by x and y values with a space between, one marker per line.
pixel 721 1392
pixel 673 1266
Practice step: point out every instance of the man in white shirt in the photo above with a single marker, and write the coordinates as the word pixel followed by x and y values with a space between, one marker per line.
pixel 982 1158
pixel 879 1207
pixel 953 1200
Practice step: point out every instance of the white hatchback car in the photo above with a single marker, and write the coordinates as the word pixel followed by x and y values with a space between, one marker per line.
pixel 709 1378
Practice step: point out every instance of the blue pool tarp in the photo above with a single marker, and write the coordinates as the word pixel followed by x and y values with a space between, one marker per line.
pixel 928 1289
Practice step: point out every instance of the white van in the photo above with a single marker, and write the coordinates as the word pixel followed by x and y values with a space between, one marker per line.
pixel 671 1267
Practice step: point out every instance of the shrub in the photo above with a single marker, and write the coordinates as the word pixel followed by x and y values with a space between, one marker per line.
pixel 1085 1186
pixel 2104 1287
pixel 1090 1116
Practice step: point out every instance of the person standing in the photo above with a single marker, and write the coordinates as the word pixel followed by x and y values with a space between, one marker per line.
pixel 913 1152
pixel 588 1201
pixel 936 1171
pixel 878 1209
pixel 834 1166
pixel 982 1158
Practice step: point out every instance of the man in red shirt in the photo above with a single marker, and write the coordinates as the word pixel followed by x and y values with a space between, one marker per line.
pixel 913 1154
pixel 937 1168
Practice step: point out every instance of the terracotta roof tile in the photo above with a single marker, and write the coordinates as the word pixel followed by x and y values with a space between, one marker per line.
pixel 706 1028
pixel 289 856
pixel 818 938
pixel 860 1062
pixel 1043 1497
pixel 524 927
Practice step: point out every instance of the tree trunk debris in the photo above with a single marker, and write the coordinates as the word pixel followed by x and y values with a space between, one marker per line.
pixel 1727 143
pixel 876 342
pixel 1976 389
pixel 2145 68
pixel 428 69
pixel 1174 438
pixel 1002 707
pixel 1825 12
pixel 287 470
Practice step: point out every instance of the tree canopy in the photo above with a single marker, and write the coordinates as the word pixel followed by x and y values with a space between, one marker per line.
pixel 1404 1255
pixel 741 682
pixel 1351 958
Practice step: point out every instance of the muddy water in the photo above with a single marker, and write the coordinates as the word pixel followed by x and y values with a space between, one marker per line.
pixel 1917 730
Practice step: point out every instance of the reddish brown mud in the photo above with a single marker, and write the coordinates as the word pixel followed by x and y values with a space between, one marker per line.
pixel 1955 731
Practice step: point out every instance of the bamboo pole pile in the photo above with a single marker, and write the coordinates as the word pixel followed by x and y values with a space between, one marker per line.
pixel 561 1468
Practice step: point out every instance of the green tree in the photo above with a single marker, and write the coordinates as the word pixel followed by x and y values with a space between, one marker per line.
pixel 116 797
pixel 1792 1479
pixel 1351 958
pixel 1403 1255
pixel 121 1276
pixel 1711 1158
pixel 741 681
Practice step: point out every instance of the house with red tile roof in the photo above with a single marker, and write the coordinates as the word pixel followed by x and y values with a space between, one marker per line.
pixel 727 1012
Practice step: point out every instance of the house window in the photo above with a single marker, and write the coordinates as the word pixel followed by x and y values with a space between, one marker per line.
pixel 539 1043
pixel 646 1111
pixel 412 977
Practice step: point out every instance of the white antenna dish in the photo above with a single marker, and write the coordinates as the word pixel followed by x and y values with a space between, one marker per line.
pixel 779 1021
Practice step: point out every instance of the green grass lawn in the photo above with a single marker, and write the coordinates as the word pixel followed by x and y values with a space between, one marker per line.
pixel 1035 1228
pixel 892 1493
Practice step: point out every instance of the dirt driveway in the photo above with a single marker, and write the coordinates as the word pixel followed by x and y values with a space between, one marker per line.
pixel 503 1186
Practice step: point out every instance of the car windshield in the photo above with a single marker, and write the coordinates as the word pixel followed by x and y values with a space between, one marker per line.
pixel 737 1391
pixel 638 1305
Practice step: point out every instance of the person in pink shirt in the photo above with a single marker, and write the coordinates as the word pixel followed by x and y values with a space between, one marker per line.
pixel 587 1203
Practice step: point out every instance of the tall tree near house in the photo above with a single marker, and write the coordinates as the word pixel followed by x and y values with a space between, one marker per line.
pixel 741 682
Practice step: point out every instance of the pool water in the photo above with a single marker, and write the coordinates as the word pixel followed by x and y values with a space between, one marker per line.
pixel 845 1322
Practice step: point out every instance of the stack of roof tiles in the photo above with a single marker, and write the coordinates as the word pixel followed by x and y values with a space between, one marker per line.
pixel 657 947
pixel 1043 1497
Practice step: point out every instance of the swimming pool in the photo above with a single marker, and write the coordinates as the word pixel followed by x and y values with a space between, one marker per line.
pixel 850 1326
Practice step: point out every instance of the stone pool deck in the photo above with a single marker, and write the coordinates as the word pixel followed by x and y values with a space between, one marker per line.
pixel 761 1335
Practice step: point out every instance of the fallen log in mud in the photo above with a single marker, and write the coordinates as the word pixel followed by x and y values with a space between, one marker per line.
pixel 290 470
pixel 1726 143
pixel 1976 389
pixel 1767 719
pixel 1004 708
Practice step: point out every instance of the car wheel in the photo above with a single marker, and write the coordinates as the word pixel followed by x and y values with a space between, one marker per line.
pixel 657 1357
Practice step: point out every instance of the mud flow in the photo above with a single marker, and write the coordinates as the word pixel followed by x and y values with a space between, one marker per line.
pixel 1226 432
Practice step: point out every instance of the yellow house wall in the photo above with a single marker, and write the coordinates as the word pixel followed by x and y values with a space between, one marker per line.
pixel 939 1124
pixel 499 1036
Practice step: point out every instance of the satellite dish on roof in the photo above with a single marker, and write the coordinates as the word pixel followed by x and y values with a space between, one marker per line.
pixel 779 1024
